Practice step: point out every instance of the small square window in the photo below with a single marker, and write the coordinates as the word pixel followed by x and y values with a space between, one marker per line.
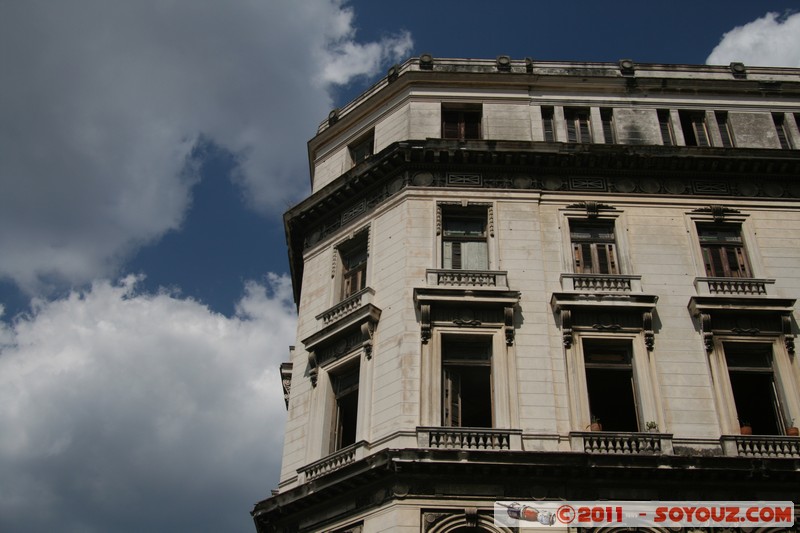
pixel 578 130
pixel 362 149
pixel 665 124
pixel 724 129
pixel 693 124
pixel 724 255
pixel 464 245
pixel 461 122
pixel 593 247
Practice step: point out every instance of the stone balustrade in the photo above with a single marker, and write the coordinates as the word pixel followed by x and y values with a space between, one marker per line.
pixel 734 286
pixel 469 438
pixel 601 283
pixel 761 446
pixel 468 278
pixel 622 443
pixel 347 306
pixel 333 462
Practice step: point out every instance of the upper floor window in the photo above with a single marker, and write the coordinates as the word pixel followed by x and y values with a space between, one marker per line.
pixel 548 125
pixel 724 129
pixel 783 133
pixel 345 416
pixel 467 382
pixel 353 259
pixel 464 244
pixel 362 148
pixel 594 247
pixel 693 124
pixel 723 251
pixel 752 381
pixel 578 130
pixel 461 122
pixel 665 123
pixel 607 117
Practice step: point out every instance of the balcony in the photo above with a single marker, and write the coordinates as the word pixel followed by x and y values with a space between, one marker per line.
pixel 469 438
pixel 348 305
pixel 333 462
pixel 761 446
pixel 601 283
pixel 621 443
pixel 495 279
pixel 734 287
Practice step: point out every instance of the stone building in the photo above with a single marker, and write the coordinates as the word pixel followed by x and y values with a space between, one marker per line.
pixel 525 280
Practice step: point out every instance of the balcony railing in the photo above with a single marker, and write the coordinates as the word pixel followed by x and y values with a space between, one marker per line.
pixel 734 286
pixel 333 462
pixel 601 283
pixel 613 443
pixel 469 438
pixel 347 306
pixel 761 446
pixel 495 279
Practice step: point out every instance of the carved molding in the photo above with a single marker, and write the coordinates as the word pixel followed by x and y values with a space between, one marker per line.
pixel 592 208
pixel 717 212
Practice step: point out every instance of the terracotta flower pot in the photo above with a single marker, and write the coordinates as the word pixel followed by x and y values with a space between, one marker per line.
pixel 596 426
pixel 793 432
pixel 746 430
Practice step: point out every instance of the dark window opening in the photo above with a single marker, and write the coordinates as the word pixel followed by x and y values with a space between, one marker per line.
pixel 723 251
pixel 345 391
pixel 664 122
pixel 593 248
pixel 609 384
pixel 354 266
pixel 753 384
pixel 607 117
pixel 461 123
pixel 693 124
pixel 724 130
pixel 548 125
pixel 466 383
pixel 780 128
pixel 464 244
pixel 362 148
pixel 578 130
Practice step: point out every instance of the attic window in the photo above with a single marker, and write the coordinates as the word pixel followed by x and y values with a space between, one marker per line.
pixel 461 122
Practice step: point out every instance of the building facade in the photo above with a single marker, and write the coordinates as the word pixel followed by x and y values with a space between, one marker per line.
pixel 523 280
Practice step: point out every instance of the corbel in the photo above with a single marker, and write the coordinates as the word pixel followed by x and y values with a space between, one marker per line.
pixel 647 326
pixel 705 328
pixel 367 331
pixel 566 327
pixel 508 316
pixel 717 212
pixel 471 516
pixel 313 371
pixel 425 319
pixel 788 336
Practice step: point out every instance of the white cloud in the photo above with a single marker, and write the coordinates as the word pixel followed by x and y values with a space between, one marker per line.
pixel 772 40
pixel 130 412
pixel 103 102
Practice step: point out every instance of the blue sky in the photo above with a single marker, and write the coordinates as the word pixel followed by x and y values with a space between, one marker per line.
pixel 147 153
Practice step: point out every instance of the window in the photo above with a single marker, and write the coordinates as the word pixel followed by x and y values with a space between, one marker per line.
pixel 467 382
pixel 610 384
pixel 693 124
pixel 724 130
pixel 607 117
pixel 752 380
pixel 593 247
pixel 780 128
pixel 345 416
pixel 723 251
pixel 464 245
pixel 353 258
pixel 664 122
pixel 361 149
pixel 578 130
pixel 461 122
pixel 548 125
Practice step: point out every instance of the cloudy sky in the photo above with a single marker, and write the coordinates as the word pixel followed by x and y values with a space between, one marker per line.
pixel 147 151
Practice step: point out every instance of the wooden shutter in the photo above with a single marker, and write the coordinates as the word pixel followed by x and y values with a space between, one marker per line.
pixel 451 408
pixel 474 256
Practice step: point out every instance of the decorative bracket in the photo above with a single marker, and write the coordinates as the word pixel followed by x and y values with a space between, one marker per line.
pixel 313 371
pixel 367 332
pixel 647 326
pixel 788 336
pixel 425 319
pixel 508 316
pixel 717 212
pixel 566 327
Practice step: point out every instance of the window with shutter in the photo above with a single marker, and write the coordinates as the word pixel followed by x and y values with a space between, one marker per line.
pixel 723 251
pixel 577 121
pixel 610 384
pixel 693 124
pixel 345 416
pixel 547 124
pixel 353 259
pixel 461 122
pixel 780 127
pixel 593 247
pixel 609 135
pixel 665 123
pixel 752 380
pixel 724 130
pixel 362 149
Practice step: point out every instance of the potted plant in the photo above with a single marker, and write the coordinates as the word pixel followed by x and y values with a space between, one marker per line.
pixel 652 426
pixel 792 430
pixel 745 428
pixel 595 425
